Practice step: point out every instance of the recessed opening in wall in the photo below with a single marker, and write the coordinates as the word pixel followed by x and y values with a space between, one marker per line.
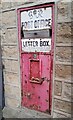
pixel 36 27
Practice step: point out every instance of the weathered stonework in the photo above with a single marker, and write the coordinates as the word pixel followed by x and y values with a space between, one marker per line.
pixel 64 53
pixel 58 88
pixel 11 102
pixel 72 9
pixel 9 36
pixel 62 105
pixel 11 78
pixel 63 71
pixel 63 64
pixel 12 91
pixel 67 93
pixel 10 51
pixel 64 39
pixel 63 85
pixel 63 10
pixel 9 18
pixel 11 65
pixel 5 5
pixel 64 29
pixel 61 115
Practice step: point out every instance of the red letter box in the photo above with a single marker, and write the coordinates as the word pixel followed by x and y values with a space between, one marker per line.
pixel 36 50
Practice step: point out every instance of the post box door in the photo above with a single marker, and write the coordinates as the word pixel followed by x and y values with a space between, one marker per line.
pixel 36 58
pixel 36 81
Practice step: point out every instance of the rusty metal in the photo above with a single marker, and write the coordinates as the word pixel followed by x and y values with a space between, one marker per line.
pixel 36 80
pixel 36 67
pixel 37 86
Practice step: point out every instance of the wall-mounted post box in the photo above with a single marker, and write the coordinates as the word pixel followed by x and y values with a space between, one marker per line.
pixel 36 31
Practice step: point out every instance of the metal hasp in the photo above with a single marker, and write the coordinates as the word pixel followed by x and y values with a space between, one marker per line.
pixel 36 41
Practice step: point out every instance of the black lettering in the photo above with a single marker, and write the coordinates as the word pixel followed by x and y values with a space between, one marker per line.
pixel 47 43
pixel 26 43
pixel 33 43
pixel 48 22
pixel 25 24
pixel 30 14
pixel 36 23
pixel 30 43
pixel 40 43
pixel 36 43
pixel 23 43
pixel 44 43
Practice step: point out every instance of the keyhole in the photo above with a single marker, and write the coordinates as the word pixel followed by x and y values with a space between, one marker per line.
pixel 34 56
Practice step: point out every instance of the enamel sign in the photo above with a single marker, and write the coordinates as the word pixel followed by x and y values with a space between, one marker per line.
pixel 36 19
pixel 34 23
pixel 36 45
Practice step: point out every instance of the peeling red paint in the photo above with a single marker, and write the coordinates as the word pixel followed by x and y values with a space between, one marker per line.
pixel 36 96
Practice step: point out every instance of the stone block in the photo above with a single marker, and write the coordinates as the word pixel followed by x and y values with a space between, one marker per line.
pixel 9 36
pixel 61 115
pixel 72 110
pixel 11 102
pixel 0 5
pixel 9 18
pixel 11 78
pixel 11 65
pixel 64 29
pixel 12 91
pixel 0 19
pixel 64 53
pixel 2 35
pixel 64 39
pixel 62 106
pixel 6 5
pixel 19 3
pixel 14 4
pixel 9 112
pixel 72 9
pixel 57 88
pixel 63 10
pixel 63 71
pixel 67 93
pixel 22 2
pixel 10 51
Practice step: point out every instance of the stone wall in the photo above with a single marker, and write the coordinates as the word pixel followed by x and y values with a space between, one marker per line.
pixel 63 53
pixel 63 83
pixel 10 56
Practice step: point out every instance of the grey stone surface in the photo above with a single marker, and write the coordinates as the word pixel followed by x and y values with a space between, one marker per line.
pixel 23 113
